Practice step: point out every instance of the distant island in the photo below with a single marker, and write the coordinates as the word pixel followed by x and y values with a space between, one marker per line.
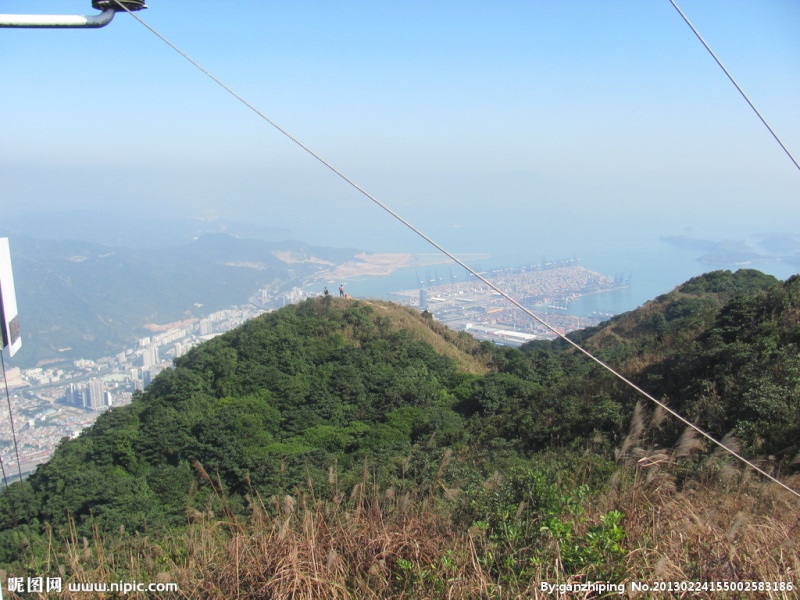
pixel 769 247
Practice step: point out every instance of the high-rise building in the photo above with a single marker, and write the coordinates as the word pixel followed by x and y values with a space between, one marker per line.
pixel 95 396
pixel 75 395
pixel 206 327
pixel 149 357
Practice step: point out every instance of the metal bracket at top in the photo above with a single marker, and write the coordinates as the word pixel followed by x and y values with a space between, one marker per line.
pixel 118 5
pixel 109 8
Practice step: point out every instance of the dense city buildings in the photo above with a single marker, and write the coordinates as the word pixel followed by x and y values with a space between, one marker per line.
pixel 50 404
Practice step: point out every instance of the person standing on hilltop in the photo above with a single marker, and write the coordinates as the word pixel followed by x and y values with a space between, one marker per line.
pixel 341 291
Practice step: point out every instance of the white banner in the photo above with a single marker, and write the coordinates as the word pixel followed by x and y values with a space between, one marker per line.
pixel 9 319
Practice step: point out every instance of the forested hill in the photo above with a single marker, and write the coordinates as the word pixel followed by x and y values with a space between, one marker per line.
pixel 724 350
pixel 325 394
pixel 328 381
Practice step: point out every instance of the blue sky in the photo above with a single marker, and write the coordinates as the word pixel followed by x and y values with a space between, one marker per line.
pixel 587 116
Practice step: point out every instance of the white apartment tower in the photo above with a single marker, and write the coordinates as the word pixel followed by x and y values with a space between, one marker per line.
pixel 95 396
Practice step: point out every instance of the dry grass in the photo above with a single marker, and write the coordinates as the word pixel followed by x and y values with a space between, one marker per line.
pixel 320 551
pixel 721 525
pixel 443 340
pixel 747 532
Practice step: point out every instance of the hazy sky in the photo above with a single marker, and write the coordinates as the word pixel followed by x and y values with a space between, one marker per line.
pixel 563 115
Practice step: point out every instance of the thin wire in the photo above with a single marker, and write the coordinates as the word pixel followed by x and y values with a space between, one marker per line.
pixel 26 499
pixel 460 262
pixel 11 501
pixel 3 468
pixel 736 85
pixel 11 417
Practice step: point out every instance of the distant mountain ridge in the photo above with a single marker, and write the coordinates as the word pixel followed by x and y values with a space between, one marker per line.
pixel 131 230
pixel 94 299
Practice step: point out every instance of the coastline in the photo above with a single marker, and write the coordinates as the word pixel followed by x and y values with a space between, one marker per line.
pixel 381 265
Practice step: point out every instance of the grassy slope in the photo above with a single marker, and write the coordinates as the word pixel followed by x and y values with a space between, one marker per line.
pixel 460 347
